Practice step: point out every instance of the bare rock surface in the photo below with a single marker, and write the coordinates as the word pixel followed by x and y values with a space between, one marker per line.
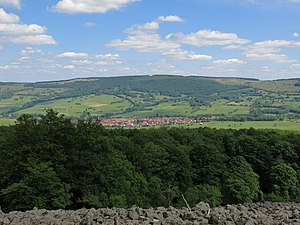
pixel 249 214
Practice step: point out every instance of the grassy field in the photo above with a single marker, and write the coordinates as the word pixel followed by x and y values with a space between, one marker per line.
pixel 96 105
pixel 6 122
pixel 282 125
pixel 283 86
pixel 274 125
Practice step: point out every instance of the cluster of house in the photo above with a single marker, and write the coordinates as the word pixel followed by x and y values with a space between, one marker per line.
pixel 147 121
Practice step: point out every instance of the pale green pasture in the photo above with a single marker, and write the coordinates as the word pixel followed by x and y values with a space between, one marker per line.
pixel 96 105
pixel 282 125
pixel 224 107
pixel 6 122
pixel 15 101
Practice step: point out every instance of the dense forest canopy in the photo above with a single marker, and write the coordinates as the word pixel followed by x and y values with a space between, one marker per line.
pixel 52 163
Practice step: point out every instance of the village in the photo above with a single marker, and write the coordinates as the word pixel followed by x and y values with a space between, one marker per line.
pixel 147 121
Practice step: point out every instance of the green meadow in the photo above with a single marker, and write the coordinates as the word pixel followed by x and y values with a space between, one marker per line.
pixel 7 122
pixel 95 105
pixel 281 125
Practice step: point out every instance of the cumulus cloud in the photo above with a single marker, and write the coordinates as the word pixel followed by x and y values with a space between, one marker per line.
pixel 229 62
pixel 30 51
pixel 170 18
pixel 69 67
pixel 89 6
pixel 24 29
pixel 295 66
pixel 145 38
pixel 144 43
pixel 186 55
pixel 143 28
pixel 207 38
pixel 30 40
pixel 296 34
pixel 11 3
pixel 269 50
pixel 268 57
pixel 8 17
pixel 73 55
pixel 86 56
pixel 11 30
pixel 89 24
pixel 108 57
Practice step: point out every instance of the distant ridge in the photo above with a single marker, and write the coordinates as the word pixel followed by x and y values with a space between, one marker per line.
pixel 224 98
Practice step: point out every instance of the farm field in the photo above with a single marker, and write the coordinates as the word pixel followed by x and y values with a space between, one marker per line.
pixel 281 125
pixel 95 105
pixel 225 99
pixel 6 122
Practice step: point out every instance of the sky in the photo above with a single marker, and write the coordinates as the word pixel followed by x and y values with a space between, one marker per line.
pixel 43 40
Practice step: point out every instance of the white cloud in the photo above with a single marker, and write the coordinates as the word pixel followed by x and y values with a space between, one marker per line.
pixel 30 51
pixel 170 18
pixel 8 17
pixel 101 63
pixel 73 55
pixel 229 62
pixel 89 24
pixel 30 40
pixel 143 28
pixel 87 57
pixel 108 57
pixel 89 6
pixel 185 55
pixel 276 43
pixel 11 3
pixel 265 69
pixel 296 34
pixel 281 58
pixel 11 30
pixel 295 66
pixel 23 29
pixel 207 38
pixel 85 61
pixel 69 67
pixel 269 50
pixel 144 43
pixel 153 25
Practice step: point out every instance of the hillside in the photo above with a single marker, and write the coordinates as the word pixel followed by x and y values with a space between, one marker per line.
pixel 159 95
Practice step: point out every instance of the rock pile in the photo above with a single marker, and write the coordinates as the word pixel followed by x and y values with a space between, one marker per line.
pixel 250 214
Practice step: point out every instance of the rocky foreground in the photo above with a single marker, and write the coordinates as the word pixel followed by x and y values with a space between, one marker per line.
pixel 251 214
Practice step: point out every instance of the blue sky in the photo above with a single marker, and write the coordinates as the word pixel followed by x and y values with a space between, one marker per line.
pixel 63 39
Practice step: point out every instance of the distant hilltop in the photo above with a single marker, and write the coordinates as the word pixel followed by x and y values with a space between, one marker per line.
pixel 224 98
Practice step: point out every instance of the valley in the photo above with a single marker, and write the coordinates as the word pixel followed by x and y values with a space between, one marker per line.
pixel 206 98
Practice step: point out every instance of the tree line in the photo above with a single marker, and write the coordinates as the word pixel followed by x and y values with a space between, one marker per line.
pixel 53 163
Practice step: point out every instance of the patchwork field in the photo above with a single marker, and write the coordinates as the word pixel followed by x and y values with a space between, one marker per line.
pixel 281 125
pixel 95 105
pixel 7 122
pixel 226 99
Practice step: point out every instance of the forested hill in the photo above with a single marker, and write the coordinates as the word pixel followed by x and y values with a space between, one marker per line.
pixel 161 95
pixel 52 163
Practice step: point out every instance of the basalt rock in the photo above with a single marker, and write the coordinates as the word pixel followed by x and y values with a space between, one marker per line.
pixel 249 214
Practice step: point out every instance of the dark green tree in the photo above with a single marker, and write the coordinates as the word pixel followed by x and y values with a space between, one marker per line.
pixel 242 183
pixel 40 188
